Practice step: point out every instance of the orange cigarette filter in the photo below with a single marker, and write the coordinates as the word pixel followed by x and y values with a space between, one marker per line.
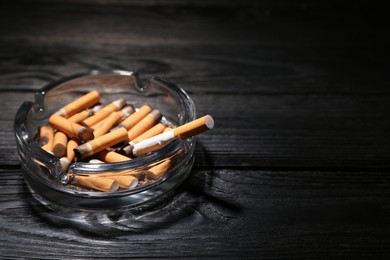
pixel 155 130
pixel 157 171
pixel 112 157
pixel 108 123
pixel 72 129
pixel 60 142
pixel 100 143
pixel 195 127
pixel 66 160
pixel 125 182
pixel 46 137
pixel 145 124
pixel 104 112
pixel 185 131
pixel 72 144
pixel 79 104
pixel 80 116
pixel 123 113
pixel 97 183
pixel 134 118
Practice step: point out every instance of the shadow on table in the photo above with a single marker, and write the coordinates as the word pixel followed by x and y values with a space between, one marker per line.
pixel 179 205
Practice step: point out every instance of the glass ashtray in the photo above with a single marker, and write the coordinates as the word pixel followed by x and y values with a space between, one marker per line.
pixel 49 182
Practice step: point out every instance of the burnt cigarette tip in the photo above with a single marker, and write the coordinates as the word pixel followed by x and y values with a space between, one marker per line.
pixel 86 134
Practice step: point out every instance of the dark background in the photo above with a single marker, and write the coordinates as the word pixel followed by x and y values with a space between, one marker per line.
pixel 298 163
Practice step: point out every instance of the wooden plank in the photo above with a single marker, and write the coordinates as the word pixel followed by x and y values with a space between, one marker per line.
pixel 242 49
pixel 227 213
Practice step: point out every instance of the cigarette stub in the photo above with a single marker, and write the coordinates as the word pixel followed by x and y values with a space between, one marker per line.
pixel 80 116
pixel 145 124
pixel 60 142
pixel 108 123
pixel 46 137
pixel 155 130
pixel 100 143
pixel 123 113
pixel 97 183
pixel 72 129
pixel 157 171
pixel 125 182
pixel 104 112
pixel 112 157
pixel 134 118
pixel 79 104
pixel 185 131
pixel 65 161
pixel 71 145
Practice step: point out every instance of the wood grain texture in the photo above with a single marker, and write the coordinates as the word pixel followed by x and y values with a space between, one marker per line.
pixel 221 213
pixel 298 163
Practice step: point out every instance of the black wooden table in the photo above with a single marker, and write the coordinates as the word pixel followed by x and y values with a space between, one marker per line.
pixel 298 163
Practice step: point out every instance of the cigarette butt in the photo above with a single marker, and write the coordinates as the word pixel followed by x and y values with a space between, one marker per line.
pixel 135 173
pixel 72 143
pixel 72 129
pixel 125 182
pixel 60 142
pixel 187 130
pixel 123 113
pixel 134 118
pixel 80 116
pixel 95 161
pixel 155 130
pixel 46 138
pixel 100 143
pixel 108 123
pixel 111 157
pixel 64 161
pixel 104 112
pixel 145 124
pixel 195 127
pixel 97 183
pixel 157 171
pixel 79 104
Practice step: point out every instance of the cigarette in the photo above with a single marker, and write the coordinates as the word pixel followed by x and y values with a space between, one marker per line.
pixel 135 173
pixel 108 123
pixel 182 132
pixel 155 130
pixel 125 182
pixel 72 129
pixel 97 183
pixel 134 118
pixel 64 162
pixel 95 161
pixel 67 160
pixel 60 142
pixel 72 143
pixel 111 157
pixel 80 116
pixel 100 143
pixel 79 104
pixel 145 124
pixel 157 171
pixel 104 112
pixel 123 113
pixel 46 137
